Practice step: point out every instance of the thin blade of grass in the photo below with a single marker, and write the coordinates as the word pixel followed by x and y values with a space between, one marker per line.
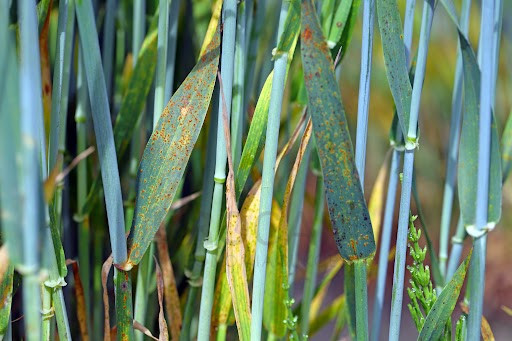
pixel 376 203
pixel 45 71
pixel 80 301
pixel 143 330
pixel 441 311
pixel 327 315
pixel 172 299
pixel 339 22
pixel 506 149
pixel 172 140
pixel 322 289
pixel 485 329
pixel 347 207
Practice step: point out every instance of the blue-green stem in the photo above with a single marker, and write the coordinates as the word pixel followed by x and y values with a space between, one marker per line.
pixel 172 38
pixel 456 251
pixel 313 255
pixel 267 183
pixel 487 85
pixel 161 66
pixel 295 217
pixel 237 117
pixel 227 69
pixel 385 243
pixel 107 47
pixel 256 30
pixel 391 193
pixel 453 150
pixel 32 203
pixel 204 221
pixel 405 198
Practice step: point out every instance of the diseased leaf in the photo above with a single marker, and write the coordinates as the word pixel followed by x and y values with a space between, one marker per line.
pixel 468 149
pixel 347 207
pixel 212 25
pixel 393 47
pixel 105 269
pixel 81 312
pixel 236 274
pixel 168 150
pixel 275 308
pixel 172 298
pixel 339 23
pixel 441 311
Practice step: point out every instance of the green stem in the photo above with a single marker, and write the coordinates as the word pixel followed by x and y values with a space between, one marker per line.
pixel 124 313
pixel 211 245
pixel 222 332
pixel 47 313
pixel 267 183
pixel 361 296
pixel 142 292
pixel 313 255
pixel 108 44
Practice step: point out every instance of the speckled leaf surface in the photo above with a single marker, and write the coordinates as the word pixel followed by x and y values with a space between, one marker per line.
pixel 441 311
pixel 468 149
pixel 395 60
pixel 347 207
pixel 168 150
pixel 291 28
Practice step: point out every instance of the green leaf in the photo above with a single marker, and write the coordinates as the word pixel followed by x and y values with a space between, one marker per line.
pixel 441 311
pixel 291 28
pixel 468 154
pixel 393 48
pixel 5 298
pixel 506 148
pixel 168 150
pixel 339 22
pixel 347 207
pixel 327 314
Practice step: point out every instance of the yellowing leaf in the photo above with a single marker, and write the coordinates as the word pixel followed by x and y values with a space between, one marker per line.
pixel 376 204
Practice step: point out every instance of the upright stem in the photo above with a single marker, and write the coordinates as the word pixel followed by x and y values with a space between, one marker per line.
pixel 238 87
pixel 204 221
pixel 457 245
pixel 361 295
pixel 172 39
pixel 227 68
pixel 267 183
pixel 391 194
pixel 405 199
pixel 32 206
pixel 477 268
pixel 453 147
pixel 313 255
pixel 161 66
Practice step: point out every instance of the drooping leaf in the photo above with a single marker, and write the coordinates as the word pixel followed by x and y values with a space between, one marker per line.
pixel 168 150
pixel 347 207
pixel 236 274
pixel 172 298
pixel 468 149
pixel 275 308
pixel 162 324
pixel 393 47
pixel 441 311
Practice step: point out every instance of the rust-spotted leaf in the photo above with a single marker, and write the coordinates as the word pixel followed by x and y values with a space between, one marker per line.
pixel 168 150
pixel 347 207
